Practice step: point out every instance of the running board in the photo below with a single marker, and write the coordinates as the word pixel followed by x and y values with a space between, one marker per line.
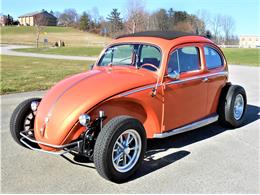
pixel 189 127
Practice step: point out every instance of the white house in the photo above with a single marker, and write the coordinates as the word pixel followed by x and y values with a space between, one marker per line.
pixel 249 41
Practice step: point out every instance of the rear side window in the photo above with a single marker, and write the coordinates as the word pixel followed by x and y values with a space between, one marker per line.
pixel 213 58
pixel 184 60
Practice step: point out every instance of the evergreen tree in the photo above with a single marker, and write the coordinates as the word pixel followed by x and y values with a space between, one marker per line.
pixel 162 19
pixel 84 22
pixel 115 21
pixel 208 34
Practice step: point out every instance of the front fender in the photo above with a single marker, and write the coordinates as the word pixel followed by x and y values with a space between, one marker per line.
pixel 140 105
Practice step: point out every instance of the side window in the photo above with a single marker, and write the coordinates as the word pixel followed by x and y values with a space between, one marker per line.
pixel 107 58
pixel 213 59
pixel 150 55
pixel 123 54
pixel 118 54
pixel 184 60
pixel 173 64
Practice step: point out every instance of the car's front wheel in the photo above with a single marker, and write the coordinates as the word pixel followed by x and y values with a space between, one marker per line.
pixel 22 119
pixel 120 148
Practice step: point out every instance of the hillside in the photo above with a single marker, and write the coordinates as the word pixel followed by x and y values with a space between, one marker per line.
pixel 71 36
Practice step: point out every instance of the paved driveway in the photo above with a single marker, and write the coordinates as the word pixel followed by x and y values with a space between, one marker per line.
pixel 211 159
pixel 8 50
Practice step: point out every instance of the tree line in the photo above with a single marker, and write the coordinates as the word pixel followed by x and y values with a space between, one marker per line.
pixel 136 18
pixel 218 27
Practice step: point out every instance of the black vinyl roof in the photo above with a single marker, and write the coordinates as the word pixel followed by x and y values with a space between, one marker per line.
pixel 159 34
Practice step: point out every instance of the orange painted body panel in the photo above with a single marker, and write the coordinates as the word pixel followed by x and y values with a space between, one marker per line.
pixel 140 105
pixel 115 90
pixel 78 94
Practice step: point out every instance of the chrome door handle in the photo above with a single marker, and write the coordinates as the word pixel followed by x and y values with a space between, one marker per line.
pixel 205 79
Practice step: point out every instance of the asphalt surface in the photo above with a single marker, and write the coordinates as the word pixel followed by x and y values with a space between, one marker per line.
pixel 211 159
pixel 8 50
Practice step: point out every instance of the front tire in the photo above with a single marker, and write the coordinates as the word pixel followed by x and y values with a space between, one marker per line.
pixel 120 148
pixel 232 106
pixel 22 119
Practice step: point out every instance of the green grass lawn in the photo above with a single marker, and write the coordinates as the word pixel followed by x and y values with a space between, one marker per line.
pixel 247 56
pixel 30 29
pixel 237 56
pixel 20 74
pixel 73 51
pixel 71 36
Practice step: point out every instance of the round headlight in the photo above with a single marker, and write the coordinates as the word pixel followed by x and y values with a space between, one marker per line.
pixel 34 105
pixel 84 119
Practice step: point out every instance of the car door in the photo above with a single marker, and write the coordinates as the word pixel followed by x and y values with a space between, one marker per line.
pixel 217 76
pixel 185 98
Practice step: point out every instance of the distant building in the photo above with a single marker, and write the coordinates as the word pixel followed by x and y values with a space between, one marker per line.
pixel 42 18
pixel 3 20
pixel 249 41
pixel 6 20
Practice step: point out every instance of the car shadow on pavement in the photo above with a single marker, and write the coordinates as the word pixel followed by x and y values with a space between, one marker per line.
pixel 155 158
pixel 157 146
pixel 79 160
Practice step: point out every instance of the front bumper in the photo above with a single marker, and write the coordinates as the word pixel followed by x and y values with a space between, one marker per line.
pixel 27 138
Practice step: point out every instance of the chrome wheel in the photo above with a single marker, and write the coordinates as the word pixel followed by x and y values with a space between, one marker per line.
pixel 29 121
pixel 126 150
pixel 238 107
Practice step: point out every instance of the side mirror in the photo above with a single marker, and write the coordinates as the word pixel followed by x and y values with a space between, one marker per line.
pixel 91 66
pixel 174 75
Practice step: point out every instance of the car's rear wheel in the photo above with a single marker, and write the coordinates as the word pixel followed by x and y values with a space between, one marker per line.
pixel 232 106
pixel 120 148
pixel 22 119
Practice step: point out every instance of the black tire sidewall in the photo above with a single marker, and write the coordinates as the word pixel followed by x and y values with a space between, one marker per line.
pixel 18 118
pixel 109 170
pixel 233 91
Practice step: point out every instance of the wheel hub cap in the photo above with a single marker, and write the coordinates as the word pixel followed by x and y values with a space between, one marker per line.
pixel 238 107
pixel 126 150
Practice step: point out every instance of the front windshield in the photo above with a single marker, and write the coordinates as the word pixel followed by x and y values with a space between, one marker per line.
pixel 132 55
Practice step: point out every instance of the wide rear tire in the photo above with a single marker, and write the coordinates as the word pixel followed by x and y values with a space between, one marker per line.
pixel 120 148
pixel 232 106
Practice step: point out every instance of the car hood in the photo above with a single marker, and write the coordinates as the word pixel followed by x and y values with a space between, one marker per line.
pixel 61 106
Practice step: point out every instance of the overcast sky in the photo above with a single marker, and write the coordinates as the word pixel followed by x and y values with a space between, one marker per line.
pixel 245 12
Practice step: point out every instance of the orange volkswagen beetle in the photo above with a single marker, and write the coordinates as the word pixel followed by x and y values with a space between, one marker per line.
pixel 144 85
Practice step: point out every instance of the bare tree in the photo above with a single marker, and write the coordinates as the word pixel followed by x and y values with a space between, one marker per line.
pixel 216 26
pixel 95 15
pixel 205 16
pixel 197 24
pixel 137 18
pixel 39 22
pixel 228 26
pixel 184 27
pixel 68 18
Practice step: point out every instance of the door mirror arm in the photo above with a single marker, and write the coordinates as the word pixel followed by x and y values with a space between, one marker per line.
pixel 174 75
pixel 91 66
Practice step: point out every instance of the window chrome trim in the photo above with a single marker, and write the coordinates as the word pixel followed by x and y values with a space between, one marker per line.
pixel 138 90
pixel 223 73
pixel 132 43
pixel 178 59
pixel 218 52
